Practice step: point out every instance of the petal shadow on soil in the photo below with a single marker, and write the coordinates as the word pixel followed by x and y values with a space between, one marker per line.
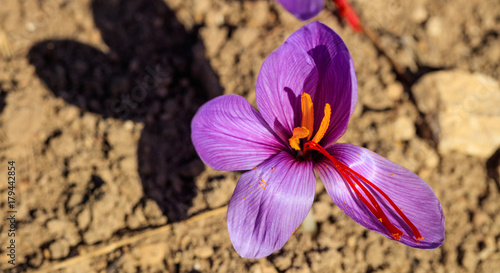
pixel 2 100
pixel 155 72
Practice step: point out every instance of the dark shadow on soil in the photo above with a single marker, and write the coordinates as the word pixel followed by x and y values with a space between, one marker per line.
pixel 2 100
pixel 155 72
pixel 493 167
pixel 424 128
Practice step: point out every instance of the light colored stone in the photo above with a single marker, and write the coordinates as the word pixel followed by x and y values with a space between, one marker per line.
pixel 204 252
pixel 149 254
pixel 137 219
pixel 432 159
pixel 153 213
pixel 490 265
pixel 434 27
pixel 375 97
pixel 223 190
pixel 283 262
pixel 83 218
pixel 374 255
pixel 415 155
pixel 394 91
pixel 59 249
pixel 246 36
pixel 107 216
pixel 267 266
pixel 351 241
pixel 64 229
pixel 259 16
pixel 216 36
pixel 256 268
pixel 462 110
pixel 322 210
pixel 404 128
pixel 128 125
pixel 201 6
pixel 214 18
pixel 309 225
pixel 419 15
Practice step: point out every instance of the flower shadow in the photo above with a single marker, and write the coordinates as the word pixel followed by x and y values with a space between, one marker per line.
pixel 2 100
pixel 155 73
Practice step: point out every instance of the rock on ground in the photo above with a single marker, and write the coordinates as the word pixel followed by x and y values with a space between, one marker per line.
pixel 462 110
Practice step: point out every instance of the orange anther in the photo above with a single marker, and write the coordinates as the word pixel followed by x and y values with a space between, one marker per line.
pixel 307 114
pixel 298 133
pixel 324 124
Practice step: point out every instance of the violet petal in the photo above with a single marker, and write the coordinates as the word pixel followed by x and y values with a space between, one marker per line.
pixel 303 9
pixel 337 83
pixel 268 205
pixel 408 191
pixel 284 76
pixel 229 134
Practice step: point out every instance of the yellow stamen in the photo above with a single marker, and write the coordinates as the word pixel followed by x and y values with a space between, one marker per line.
pixel 298 133
pixel 324 124
pixel 307 114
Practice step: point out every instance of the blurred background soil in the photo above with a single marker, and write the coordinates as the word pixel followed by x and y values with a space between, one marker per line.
pixel 96 99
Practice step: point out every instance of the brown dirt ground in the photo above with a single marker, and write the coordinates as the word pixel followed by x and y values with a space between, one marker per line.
pixel 95 108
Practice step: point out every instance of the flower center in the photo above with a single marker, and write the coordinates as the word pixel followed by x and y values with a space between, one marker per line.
pixel 306 128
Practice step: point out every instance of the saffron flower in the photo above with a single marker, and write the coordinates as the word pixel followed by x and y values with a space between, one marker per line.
pixel 307 9
pixel 303 9
pixel 306 92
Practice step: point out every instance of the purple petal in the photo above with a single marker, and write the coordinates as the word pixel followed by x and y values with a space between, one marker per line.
pixel 229 134
pixel 408 191
pixel 284 76
pixel 268 205
pixel 337 84
pixel 303 9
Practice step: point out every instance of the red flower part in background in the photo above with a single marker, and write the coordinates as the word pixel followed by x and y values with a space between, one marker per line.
pixel 307 9
pixel 347 12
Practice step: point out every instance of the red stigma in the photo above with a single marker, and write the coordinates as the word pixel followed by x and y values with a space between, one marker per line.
pixel 357 182
pixel 347 12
